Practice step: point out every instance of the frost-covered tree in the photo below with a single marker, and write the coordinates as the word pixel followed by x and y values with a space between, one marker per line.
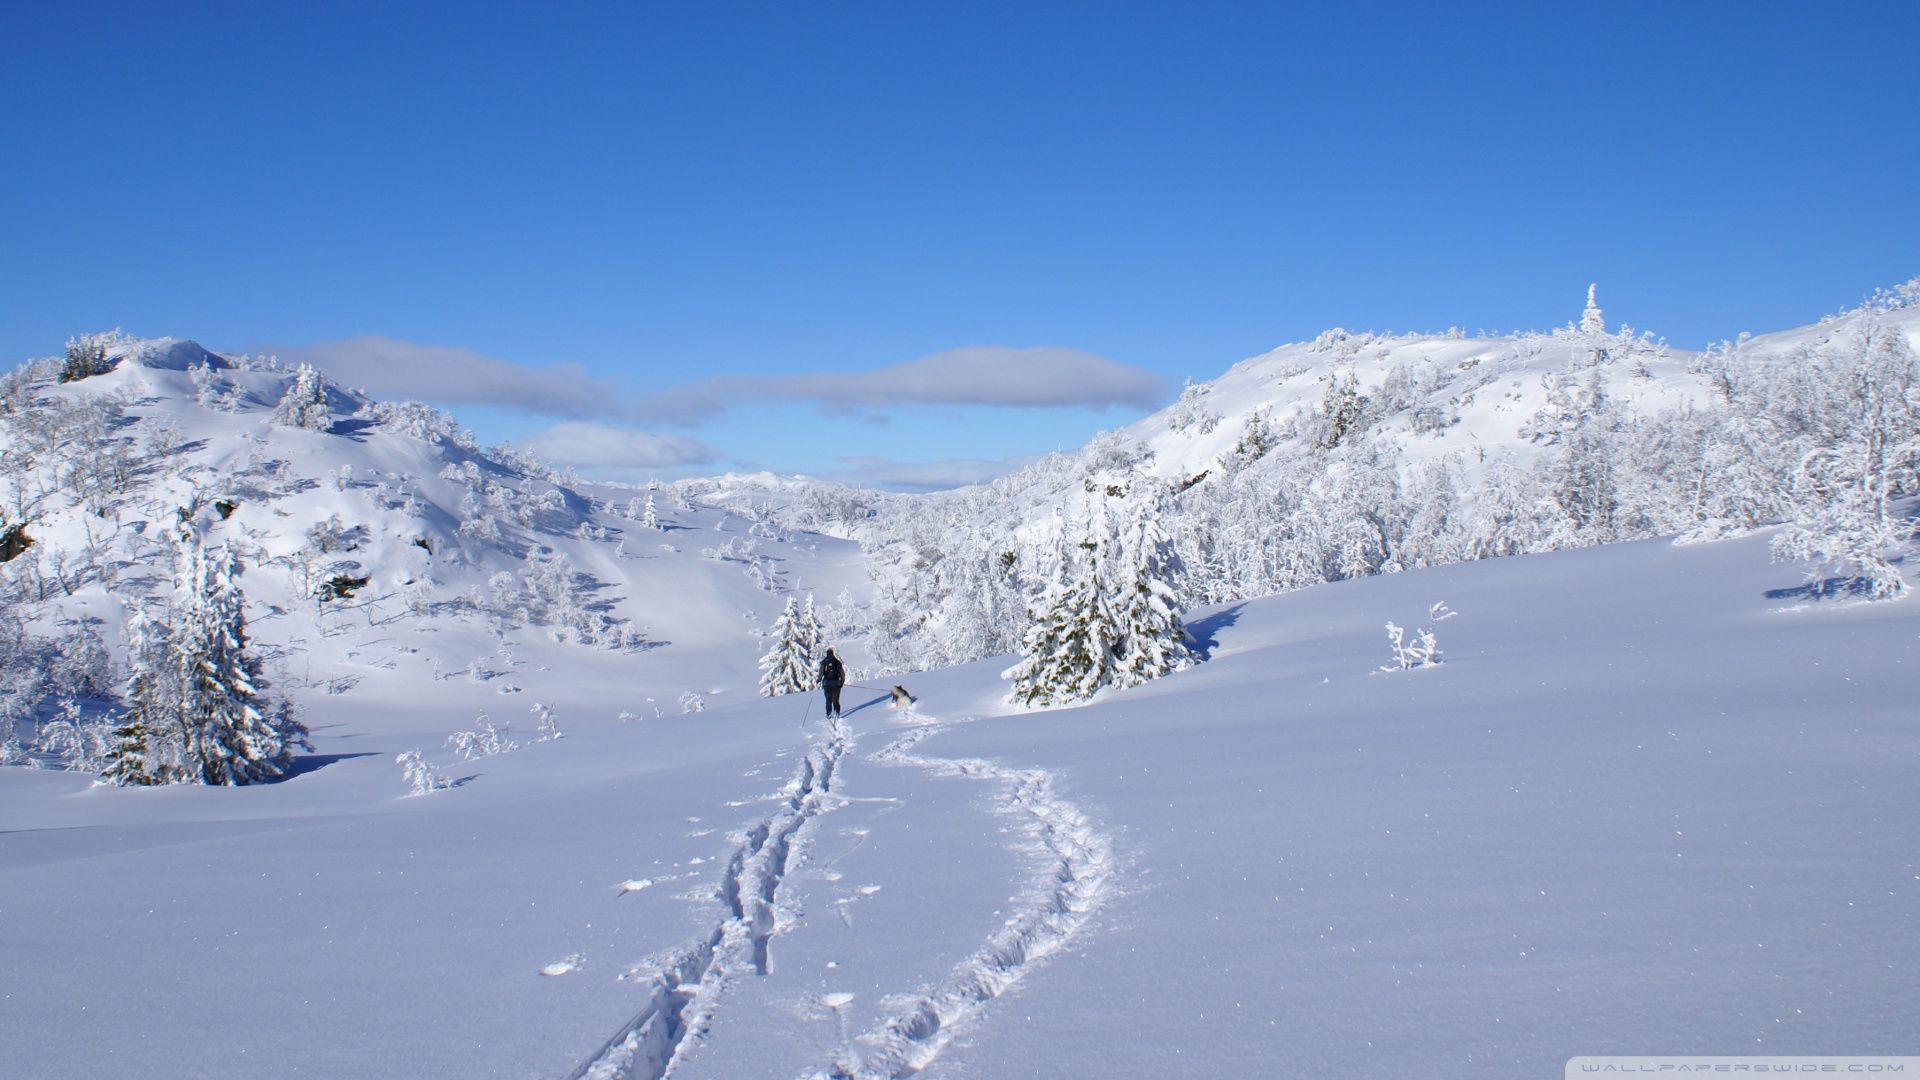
pixel 816 634
pixel 1149 640
pixel 305 402
pixel 789 665
pixel 1591 320
pixel 129 755
pixel 1190 412
pixel 649 517
pixel 1343 410
pixel 234 734
pixel 151 735
pixel 420 777
pixel 206 384
pixel 86 356
pixel 1069 650
pixel 1863 413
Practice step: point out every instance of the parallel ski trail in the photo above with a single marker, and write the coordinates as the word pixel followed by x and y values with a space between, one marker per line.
pixel 1074 879
pixel 685 984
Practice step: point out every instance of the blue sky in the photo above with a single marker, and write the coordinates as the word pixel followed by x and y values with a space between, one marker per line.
pixel 653 204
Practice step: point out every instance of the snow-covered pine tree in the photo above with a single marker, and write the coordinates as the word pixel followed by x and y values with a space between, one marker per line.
pixel 788 666
pixel 1148 639
pixel 649 518
pixel 86 357
pixel 816 634
pixel 1067 653
pixel 149 736
pixel 127 755
pixel 234 735
pixel 1591 321
pixel 1343 408
pixel 206 385
pixel 305 403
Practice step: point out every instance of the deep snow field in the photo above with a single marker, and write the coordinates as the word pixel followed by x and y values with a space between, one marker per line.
pixel 1657 799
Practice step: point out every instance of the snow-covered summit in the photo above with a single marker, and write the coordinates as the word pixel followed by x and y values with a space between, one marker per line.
pixel 1435 395
pixel 1358 453
pixel 343 511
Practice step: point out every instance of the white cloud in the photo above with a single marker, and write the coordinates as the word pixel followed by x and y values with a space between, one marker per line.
pixel 1042 377
pixel 600 446
pixel 926 475
pixel 1046 376
pixel 391 369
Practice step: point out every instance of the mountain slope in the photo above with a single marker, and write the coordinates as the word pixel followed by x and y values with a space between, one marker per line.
pixel 1654 798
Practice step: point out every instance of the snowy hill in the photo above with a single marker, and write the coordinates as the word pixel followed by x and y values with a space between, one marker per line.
pixel 1357 454
pixel 387 560
pixel 1446 395
pixel 1642 805
pixel 1637 796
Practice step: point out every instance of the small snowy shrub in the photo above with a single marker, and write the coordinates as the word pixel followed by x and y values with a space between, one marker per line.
pixel 207 387
pixel 413 420
pixel 1424 650
pixel 418 596
pixel 691 702
pixel 1188 413
pixel 419 775
pixel 332 535
pixel 486 741
pixel 79 745
pixel 548 724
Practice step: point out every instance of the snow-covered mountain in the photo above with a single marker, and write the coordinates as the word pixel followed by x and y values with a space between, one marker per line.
pixel 384 555
pixel 1634 796
pixel 1357 454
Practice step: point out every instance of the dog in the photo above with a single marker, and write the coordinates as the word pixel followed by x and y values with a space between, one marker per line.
pixel 900 697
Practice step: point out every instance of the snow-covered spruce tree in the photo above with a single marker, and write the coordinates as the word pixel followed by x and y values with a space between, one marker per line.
pixel 788 666
pixel 1149 640
pixel 1068 651
pixel 1591 320
pixel 127 756
pixel 649 517
pixel 1343 410
pixel 816 634
pixel 305 402
pixel 87 356
pixel 234 735
pixel 150 736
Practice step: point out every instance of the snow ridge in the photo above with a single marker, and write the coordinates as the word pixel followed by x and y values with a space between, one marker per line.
pixel 685 984
pixel 1074 880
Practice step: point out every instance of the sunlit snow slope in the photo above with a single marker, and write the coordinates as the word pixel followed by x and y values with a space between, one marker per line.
pixel 1441 395
pixel 1653 800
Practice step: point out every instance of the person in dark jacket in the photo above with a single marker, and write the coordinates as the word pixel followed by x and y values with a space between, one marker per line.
pixel 833 676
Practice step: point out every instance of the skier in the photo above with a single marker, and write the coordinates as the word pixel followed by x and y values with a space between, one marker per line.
pixel 833 675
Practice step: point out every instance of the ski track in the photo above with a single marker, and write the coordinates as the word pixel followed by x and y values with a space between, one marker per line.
pixel 685 984
pixel 1075 879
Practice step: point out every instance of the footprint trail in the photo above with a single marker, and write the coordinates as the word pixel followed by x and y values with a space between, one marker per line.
pixel 685 984
pixel 1074 878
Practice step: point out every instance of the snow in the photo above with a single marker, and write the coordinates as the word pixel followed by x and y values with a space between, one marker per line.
pixel 1651 798
pixel 1641 805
